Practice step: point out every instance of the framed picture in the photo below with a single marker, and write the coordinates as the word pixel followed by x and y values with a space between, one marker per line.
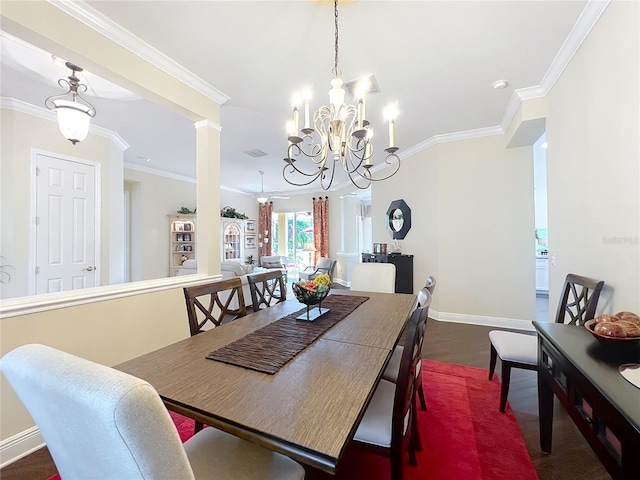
pixel 187 237
pixel 250 241
pixel 250 226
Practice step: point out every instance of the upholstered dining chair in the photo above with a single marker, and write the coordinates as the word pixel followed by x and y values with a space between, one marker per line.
pixel 101 423
pixel 324 265
pixel 267 288
pixel 374 277
pixel 386 427
pixel 577 304
pixel 205 304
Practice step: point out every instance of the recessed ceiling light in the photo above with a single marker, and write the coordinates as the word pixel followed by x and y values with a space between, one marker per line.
pixel 544 145
pixel 499 84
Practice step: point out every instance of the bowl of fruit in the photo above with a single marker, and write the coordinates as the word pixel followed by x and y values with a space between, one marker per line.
pixel 312 292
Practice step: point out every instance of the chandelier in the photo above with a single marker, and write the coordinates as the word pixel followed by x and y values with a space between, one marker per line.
pixel 73 116
pixel 339 138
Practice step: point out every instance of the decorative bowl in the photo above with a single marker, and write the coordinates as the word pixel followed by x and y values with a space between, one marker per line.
pixel 590 325
pixel 309 297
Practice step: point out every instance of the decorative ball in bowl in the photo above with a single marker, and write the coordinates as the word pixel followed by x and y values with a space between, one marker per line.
pixel 313 291
pixel 621 327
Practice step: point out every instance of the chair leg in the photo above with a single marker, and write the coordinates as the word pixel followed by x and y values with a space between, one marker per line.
pixel 492 362
pixel 415 443
pixel 197 427
pixel 423 401
pixel 396 463
pixel 504 387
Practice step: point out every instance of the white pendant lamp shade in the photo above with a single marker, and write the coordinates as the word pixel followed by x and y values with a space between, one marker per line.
pixel 262 199
pixel 74 115
pixel 73 119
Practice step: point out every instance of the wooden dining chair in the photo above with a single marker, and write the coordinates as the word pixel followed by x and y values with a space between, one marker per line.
pixel 205 303
pixel 102 423
pixel 386 427
pixel 267 289
pixel 518 350
pixel 210 304
pixel 391 373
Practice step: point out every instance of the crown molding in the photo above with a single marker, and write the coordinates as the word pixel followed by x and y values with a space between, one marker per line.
pixel 159 173
pixel 115 32
pixel 208 123
pixel 580 31
pixel 578 34
pixel 46 114
pixel 453 137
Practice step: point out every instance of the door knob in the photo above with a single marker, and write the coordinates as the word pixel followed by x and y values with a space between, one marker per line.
pixel 89 268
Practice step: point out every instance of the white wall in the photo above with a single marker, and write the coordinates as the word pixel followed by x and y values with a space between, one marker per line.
pixel 593 162
pixel 540 182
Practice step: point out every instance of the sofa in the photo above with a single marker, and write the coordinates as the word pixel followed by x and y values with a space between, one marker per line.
pixel 231 269
pixel 275 261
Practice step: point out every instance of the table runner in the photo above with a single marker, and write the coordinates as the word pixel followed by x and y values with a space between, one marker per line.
pixel 271 347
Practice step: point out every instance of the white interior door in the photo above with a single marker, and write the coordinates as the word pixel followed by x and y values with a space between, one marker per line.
pixel 65 224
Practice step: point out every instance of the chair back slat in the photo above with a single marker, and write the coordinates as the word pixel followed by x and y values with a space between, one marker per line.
pixel 579 299
pixel 267 289
pixel 217 296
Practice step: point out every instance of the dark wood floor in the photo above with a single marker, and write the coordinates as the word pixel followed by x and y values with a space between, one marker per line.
pixel 572 458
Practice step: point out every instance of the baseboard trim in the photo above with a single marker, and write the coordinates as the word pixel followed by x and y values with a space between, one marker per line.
pixel 20 445
pixel 499 322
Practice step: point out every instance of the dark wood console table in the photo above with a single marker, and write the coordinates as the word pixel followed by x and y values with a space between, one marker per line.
pixel 404 268
pixel 583 373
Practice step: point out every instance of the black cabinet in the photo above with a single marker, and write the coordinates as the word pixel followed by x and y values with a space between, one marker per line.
pixel 404 268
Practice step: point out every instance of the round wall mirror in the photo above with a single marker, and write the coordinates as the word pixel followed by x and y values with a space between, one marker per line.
pixel 398 219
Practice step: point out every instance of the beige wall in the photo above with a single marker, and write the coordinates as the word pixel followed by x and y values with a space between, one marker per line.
pixel 593 162
pixel 153 197
pixel 472 225
pixel 108 332
pixel 21 133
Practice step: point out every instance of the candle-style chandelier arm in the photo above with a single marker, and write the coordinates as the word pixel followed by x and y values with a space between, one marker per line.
pixel 339 137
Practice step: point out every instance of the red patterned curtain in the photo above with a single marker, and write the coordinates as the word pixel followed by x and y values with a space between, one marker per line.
pixel 321 227
pixel 264 229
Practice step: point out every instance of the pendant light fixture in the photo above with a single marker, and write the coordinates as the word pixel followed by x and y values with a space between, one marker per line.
pixel 340 137
pixel 74 114
pixel 262 197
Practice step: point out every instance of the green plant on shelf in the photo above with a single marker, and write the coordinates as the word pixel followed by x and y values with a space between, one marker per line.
pixel 229 212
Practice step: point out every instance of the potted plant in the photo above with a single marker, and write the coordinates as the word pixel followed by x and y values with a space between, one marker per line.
pixel 250 261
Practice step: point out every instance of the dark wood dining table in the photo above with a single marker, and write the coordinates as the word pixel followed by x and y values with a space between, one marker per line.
pixel 311 408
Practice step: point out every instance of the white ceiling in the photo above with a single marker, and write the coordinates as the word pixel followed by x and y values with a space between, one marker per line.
pixel 437 59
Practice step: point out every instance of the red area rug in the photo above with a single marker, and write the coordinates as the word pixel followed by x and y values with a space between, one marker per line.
pixel 464 436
